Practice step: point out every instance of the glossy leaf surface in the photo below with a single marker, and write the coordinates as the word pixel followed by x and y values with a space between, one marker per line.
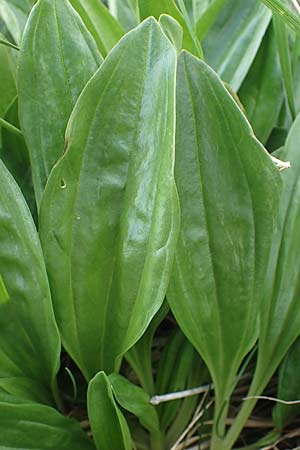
pixel 36 427
pixel 108 424
pixel 49 82
pixel 240 27
pixel 29 341
pixel 109 218
pixel 104 28
pixel 261 93
pixel 228 189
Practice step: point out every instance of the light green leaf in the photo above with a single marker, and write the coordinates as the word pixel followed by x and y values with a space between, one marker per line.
pixel 228 189
pixel 262 107
pixel 105 29
pixel 172 30
pixel 29 340
pixel 135 400
pixel 126 11
pixel 7 78
pixel 36 427
pixel 288 387
pixel 240 28
pixel 108 424
pixel 57 58
pixel 109 219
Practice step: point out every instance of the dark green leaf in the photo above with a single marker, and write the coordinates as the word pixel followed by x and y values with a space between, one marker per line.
pixel 108 424
pixel 57 58
pixel 110 213
pixel 135 400
pixel 36 427
pixel 29 341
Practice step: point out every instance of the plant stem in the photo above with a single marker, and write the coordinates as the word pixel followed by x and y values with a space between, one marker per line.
pixel 10 127
pixel 9 44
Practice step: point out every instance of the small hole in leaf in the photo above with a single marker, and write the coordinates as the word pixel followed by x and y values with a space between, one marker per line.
pixel 63 184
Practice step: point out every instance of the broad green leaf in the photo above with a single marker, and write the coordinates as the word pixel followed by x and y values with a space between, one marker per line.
pixel 57 58
pixel 15 156
pixel 126 11
pixel 13 25
pixel 135 400
pixel 172 30
pixel 154 8
pixel 37 427
pixel 208 17
pixel 282 38
pixel 4 297
pixel 288 387
pixel 109 217
pixel 109 427
pixel 228 189
pixel 280 315
pixel 105 29
pixel 262 107
pixel 140 355
pixel 29 341
pixel 240 27
pixel 19 390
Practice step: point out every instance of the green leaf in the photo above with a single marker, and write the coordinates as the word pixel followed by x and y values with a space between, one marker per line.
pixel 7 78
pixel 105 29
pixel 154 8
pixel 280 315
pixel 36 427
pixel 14 154
pixel 283 12
pixel 140 355
pixel 4 297
pixel 109 427
pixel 29 340
pixel 240 28
pixel 228 189
pixel 172 30
pixel 57 58
pixel 126 11
pixel 110 213
pixel 262 107
pixel 208 17
pixel 282 38
pixel 288 387
pixel 135 400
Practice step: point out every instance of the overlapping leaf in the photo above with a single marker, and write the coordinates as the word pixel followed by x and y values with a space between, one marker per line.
pixel 109 217
pixel 36 427
pixel 228 189
pixel 108 424
pixel 57 58
pixel 29 341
